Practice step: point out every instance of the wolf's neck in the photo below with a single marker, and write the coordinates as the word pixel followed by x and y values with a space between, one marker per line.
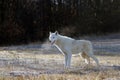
pixel 60 40
pixel 64 37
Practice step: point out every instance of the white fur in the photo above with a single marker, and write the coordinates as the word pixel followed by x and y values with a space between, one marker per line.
pixel 69 46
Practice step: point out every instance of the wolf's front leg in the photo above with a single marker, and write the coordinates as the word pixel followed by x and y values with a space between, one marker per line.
pixel 68 60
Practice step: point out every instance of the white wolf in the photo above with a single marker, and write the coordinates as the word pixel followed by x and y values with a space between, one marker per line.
pixel 69 46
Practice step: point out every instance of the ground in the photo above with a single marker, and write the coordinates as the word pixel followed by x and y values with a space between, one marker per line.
pixel 21 64
pixel 43 62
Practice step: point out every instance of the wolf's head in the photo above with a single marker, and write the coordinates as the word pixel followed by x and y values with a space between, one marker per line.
pixel 53 37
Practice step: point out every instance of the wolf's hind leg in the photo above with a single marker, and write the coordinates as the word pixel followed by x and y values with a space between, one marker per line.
pixel 86 57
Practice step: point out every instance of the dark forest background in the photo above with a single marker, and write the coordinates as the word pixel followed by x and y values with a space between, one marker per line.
pixel 24 21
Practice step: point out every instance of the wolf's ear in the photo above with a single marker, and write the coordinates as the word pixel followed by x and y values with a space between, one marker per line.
pixel 50 32
pixel 56 32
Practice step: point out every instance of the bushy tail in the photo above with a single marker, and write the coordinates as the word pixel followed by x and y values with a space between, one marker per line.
pixel 95 59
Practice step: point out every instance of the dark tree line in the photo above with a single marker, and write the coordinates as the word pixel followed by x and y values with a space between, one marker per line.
pixel 23 21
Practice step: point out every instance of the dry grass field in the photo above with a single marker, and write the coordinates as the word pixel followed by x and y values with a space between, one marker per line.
pixel 31 65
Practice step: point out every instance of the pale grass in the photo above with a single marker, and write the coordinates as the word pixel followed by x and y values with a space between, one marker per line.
pixel 51 67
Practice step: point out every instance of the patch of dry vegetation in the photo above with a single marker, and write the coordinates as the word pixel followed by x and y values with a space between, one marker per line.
pixel 30 65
